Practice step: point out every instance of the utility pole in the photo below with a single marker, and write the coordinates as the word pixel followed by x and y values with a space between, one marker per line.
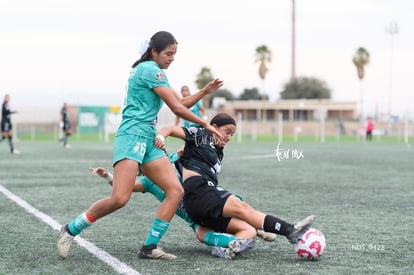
pixel 293 58
pixel 392 30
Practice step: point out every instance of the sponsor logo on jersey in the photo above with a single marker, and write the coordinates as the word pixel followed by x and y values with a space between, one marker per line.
pixel 160 76
pixel 192 129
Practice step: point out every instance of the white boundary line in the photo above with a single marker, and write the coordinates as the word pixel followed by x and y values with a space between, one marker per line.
pixel 102 255
pixel 255 157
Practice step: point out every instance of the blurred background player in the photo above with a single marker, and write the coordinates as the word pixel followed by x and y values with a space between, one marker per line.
pixel 6 125
pixel 198 109
pixel 65 124
pixel 369 129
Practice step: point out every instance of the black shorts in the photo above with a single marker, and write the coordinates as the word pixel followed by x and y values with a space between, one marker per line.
pixel 66 126
pixel 204 203
pixel 6 126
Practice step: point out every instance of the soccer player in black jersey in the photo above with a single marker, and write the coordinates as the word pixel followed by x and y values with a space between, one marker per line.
pixel 6 125
pixel 223 245
pixel 206 202
pixel 65 124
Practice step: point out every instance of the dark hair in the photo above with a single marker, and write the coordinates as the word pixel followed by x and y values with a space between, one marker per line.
pixel 222 119
pixel 159 42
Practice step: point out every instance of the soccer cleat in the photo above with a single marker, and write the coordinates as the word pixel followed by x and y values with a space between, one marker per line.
pixel 267 236
pixel 235 246
pixel 246 244
pixel 153 252
pixel 223 252
pixel 64 243
pixel 299 228
pixel 241 245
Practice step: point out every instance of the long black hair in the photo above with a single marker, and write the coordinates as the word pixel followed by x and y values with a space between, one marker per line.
pixel 159 41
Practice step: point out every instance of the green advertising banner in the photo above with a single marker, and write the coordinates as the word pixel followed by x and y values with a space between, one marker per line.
pixel 91 119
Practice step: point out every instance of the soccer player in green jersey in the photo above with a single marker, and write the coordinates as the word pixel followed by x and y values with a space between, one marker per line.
pixel 148 88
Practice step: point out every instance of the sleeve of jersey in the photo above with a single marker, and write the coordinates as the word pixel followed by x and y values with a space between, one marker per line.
pixel 155 77
pixel 191 133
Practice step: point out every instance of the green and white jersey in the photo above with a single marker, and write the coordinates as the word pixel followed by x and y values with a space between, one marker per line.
pixel 142 104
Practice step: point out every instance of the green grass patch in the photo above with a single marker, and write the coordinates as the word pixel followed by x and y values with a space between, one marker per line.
pixel 362 195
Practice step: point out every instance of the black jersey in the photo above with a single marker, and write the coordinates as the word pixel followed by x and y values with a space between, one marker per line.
pixel 65 115
pixel 6 112
pixel 201 155
pixel 65 118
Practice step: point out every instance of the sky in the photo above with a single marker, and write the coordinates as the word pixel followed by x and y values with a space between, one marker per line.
pixel 81 51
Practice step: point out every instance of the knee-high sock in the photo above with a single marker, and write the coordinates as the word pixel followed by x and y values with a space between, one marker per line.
pixel 218 239
pixel 65 139
pixel 10 138
pixel 79 223
pixel 276 225
pixel 152 188
pixel 157 231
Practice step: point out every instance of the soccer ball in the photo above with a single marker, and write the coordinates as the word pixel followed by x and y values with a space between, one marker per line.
pixel 312 245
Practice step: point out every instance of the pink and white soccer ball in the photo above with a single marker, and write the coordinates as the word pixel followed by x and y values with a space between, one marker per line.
pixel 312 245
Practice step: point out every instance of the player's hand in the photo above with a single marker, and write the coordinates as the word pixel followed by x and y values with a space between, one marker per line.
pixel 214 132
pixel 100 171
pixel 213 86
pixel 159 142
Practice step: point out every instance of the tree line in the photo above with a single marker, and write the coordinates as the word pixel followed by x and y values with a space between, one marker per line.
pixel 301 87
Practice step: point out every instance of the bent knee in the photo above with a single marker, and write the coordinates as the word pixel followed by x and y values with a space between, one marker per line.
pixel 119 201
pixel 200 234
pixel 175 191
pixel 251 233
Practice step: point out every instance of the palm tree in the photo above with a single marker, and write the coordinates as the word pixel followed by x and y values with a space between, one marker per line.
pixel 360 60
pixel 263 55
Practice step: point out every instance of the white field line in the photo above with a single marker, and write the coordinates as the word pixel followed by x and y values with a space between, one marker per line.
pixel 255 157
pixel 102 255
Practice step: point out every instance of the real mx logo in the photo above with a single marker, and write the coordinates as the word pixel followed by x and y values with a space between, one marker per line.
pixel 282 154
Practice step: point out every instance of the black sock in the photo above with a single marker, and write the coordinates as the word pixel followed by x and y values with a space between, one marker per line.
pixel 65 139
pixel 11 144
pixel 276 225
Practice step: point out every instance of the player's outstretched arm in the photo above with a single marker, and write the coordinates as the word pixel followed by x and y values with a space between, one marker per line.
pixel 105 174
pixel 209 88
